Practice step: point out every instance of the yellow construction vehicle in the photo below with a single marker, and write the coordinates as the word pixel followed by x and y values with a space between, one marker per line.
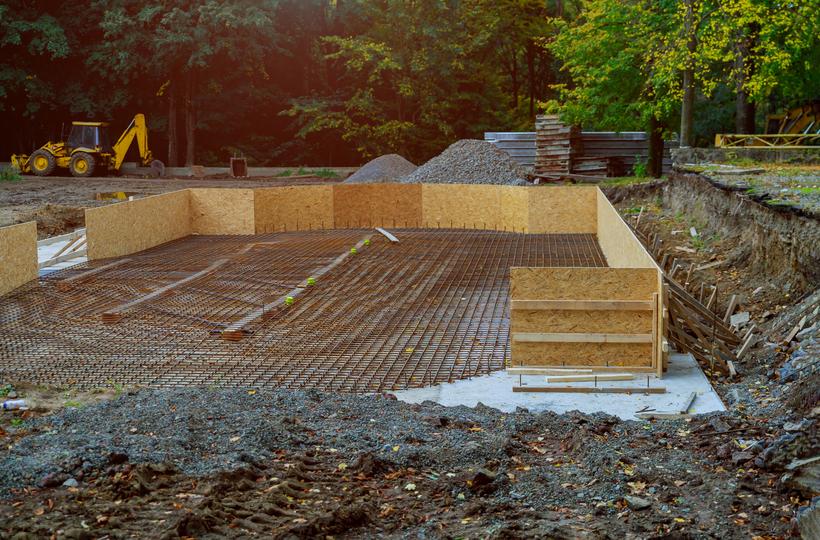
pixel 88 150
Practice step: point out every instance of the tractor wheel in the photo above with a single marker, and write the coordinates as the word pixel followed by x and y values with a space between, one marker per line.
pixel 82 165
pixel 157 169
pixel 42 163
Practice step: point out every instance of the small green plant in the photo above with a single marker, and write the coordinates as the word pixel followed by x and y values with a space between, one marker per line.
pixel 10 174
pixel 698 243
pixel 17 422
pixel 5 390
pixel 286 172
pixel 74 404
pixel 321 173
pixel 641 167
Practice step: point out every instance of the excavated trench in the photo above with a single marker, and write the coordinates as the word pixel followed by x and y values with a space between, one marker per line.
pixel 780 244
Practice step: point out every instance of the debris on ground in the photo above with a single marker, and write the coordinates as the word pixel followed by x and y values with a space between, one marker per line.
pixel 56 219
pixel 287 463
pixel 387 168
pixel 470 161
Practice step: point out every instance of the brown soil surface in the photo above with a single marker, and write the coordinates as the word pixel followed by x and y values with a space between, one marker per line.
pixel 56 203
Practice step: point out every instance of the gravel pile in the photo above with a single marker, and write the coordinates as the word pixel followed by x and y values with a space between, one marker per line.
pixel 470 161
pixel 387 168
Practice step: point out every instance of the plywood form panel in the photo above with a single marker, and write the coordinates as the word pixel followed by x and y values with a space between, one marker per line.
pixel 293 208
pixel 18 255
pixel 581 354
pixel 514 208
pixel 562 209
pixel 222 211
pixel 635 322
pixel 583 283
pixel 127 227
pixel 352 205
pixel 619 244
pixel 395 205
pixel 461 206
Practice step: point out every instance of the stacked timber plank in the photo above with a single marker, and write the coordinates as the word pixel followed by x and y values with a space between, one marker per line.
pixel 556 144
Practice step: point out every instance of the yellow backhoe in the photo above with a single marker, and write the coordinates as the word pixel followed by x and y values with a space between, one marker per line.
pixel 88 151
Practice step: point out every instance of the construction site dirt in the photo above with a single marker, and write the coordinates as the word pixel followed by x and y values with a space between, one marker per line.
pixel 430 308
pixel 56 203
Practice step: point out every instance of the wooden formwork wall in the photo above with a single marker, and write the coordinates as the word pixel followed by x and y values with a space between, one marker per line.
pixel 293 208
pixel 563 209
pixel 584 317
pixel 222 211
pixel 377 205
pixel 18 255
pixel 127 227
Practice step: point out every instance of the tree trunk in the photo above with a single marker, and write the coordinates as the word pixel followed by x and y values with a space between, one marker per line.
pixel 688 104
pixel 514 74
pixel 744 66
pixel 531 75
pixel 655 164
pixel 190 121
pixel 559 8
pixel 172 126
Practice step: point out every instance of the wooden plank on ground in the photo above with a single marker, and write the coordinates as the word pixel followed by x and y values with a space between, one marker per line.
pixel 590 390
pixel 115 314
pixel 388 235
pixel 592 378
pixel 546 371
pixel 65 284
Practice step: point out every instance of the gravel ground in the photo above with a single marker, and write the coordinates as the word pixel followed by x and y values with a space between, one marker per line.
pixel 170 463
pixel 470 162
pixel 387 168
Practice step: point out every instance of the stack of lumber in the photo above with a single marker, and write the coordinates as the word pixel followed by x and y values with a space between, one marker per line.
pixel 556 145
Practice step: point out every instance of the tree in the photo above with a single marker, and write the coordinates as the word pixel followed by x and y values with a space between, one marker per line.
pixel 179 44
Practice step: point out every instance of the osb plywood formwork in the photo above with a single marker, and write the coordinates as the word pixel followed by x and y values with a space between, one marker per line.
pixel 461 206
pixel 562 209
pixel 584 317
pixel 127 227
pixel 293 208
pixel 222 211
pixel 18 255
pixel 377 205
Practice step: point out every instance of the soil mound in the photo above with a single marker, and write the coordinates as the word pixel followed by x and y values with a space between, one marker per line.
pixel 469 161
pixel 55 219
pixel 387 168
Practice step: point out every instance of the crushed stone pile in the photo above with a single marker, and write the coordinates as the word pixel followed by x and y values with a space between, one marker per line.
pixel 470 161
pixel 387 168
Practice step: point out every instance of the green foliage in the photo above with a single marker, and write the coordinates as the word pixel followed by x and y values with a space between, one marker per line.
pixel 10 174
pixel 639 169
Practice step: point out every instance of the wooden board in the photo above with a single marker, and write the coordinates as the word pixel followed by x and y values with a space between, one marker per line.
pixel 562 209
pixel 619 244
pixel 461 206
pixel 590 390
pixel 293 208
pixel 18 255
pixel 377 205
pixel 222 211
pixel 514 208
pixel 535 283
pixel 128 227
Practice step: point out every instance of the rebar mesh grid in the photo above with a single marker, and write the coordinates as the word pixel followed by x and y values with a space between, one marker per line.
pixel 430 309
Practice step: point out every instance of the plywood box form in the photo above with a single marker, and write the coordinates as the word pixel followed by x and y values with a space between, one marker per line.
pixel 18 255
pixel 583 284
pixel 563 209
pixel 514 208
pixel 619 244
pixel 293 208
pixel 127 227
pixel 222 211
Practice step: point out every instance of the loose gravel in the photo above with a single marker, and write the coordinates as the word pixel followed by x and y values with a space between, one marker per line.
pixel 387 168
pixel 470 161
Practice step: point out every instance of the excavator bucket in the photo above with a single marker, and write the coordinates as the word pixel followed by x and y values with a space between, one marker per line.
pixel 20 162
